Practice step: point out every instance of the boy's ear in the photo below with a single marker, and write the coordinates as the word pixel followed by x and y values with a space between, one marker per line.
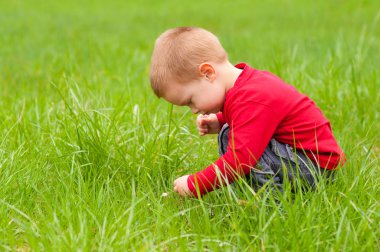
pixel 207 71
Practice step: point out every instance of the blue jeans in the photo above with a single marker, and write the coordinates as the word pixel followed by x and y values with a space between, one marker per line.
pixel 279 163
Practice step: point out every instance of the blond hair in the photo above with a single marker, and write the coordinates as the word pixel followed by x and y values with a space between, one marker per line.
pixel 178 53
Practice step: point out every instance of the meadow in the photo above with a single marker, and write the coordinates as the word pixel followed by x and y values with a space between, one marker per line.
pixel 87 150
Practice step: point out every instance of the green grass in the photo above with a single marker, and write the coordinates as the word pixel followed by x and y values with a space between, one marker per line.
pixel 86 150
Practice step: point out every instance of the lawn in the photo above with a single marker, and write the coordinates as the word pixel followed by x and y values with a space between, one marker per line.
pixel 87 150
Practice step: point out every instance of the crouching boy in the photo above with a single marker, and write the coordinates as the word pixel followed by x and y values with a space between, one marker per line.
pixel 267 130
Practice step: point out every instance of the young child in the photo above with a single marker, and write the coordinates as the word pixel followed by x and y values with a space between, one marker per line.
pixel 268 131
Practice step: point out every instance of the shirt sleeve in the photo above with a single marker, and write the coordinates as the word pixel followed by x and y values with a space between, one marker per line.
pixel 251 128
pixel 221 119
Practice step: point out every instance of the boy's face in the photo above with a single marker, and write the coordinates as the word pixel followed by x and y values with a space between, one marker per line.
pixel 202 95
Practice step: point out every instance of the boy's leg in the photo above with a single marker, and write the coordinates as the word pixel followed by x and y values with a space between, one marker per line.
pixel 278 163
pixel 293 166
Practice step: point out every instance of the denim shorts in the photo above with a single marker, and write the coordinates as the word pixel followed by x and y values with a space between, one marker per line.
pixel 279 163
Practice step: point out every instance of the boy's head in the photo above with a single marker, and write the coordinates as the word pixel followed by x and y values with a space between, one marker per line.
pixel 178 54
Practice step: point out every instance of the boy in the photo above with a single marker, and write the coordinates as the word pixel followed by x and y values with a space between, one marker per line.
pixel 267 129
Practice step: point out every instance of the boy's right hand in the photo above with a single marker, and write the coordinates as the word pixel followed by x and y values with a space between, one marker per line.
pixel 208 124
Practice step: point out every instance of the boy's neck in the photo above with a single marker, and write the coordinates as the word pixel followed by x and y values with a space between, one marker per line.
pixel 228 73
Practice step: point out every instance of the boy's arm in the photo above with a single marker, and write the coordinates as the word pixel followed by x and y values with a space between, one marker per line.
pixel 253 125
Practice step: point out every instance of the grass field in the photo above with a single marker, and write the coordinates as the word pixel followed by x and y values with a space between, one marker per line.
pixel 86 150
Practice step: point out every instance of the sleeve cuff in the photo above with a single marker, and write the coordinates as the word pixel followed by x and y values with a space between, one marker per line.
pixel 220 119
pixel 191 185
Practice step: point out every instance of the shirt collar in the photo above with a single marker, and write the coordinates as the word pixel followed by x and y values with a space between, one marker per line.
pixel 246 70
pixel 241 65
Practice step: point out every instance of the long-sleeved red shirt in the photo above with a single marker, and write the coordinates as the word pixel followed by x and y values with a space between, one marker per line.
pixel 261 106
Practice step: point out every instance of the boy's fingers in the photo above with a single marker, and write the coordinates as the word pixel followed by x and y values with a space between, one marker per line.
pixel 203 124
pixel 175 182
pixel 202 127
pixel 177 190
pixel 202 120
pixel 202 131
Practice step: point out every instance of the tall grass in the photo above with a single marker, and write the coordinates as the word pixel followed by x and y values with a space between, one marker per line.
pixel 87 151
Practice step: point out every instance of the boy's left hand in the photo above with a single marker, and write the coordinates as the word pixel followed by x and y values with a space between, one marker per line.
pixel 180 186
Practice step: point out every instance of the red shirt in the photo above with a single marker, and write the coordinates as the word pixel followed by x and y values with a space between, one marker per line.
pixel 261 106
